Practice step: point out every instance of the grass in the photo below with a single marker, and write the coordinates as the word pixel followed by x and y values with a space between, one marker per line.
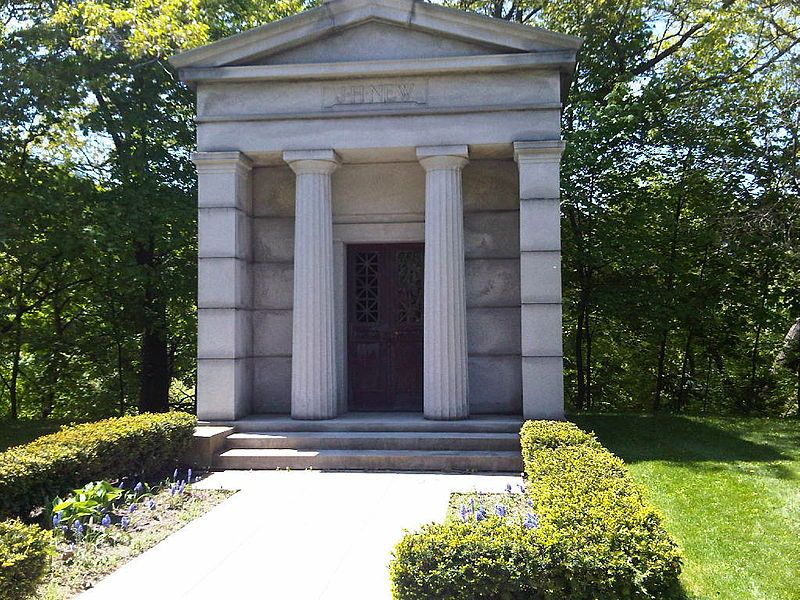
pixel 22 431
pixel 730 493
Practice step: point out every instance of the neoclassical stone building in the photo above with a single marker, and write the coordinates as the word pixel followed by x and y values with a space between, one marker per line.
pixel 379 214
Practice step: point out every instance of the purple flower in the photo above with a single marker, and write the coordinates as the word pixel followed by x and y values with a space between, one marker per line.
pixel 151 504
pixel 125 522
pixel 57 519
pixel 173 489
pixel 464 512
pixel 500 510
pixel 509 489
pixel 133 508
pixel 106 521
pixel 175 475
pixel 531 522
pixel 77 527
pixel 189 476
pixel 138 488
pixel 481 514
pixel 181 486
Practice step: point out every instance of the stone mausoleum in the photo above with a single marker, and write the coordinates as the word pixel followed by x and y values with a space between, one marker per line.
pixel 379 215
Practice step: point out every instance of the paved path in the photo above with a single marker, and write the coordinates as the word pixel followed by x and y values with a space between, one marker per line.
pixel 300 535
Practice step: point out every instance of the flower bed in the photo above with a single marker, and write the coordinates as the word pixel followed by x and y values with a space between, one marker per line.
pixel 583 532
pixel 123 524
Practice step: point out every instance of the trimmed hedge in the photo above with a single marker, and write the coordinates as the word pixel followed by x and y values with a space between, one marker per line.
pixel 144 445
pixel 24 558
pixel 597 539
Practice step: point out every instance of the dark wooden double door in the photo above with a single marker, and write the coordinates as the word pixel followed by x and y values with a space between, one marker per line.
pixel 384 339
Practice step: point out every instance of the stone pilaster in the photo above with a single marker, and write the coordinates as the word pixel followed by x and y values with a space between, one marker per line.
pixel 314 376
pixel 445 390
pixel 224 345
pixel 540 271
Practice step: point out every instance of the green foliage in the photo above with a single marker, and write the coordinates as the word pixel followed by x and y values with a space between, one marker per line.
pixel 144 445
pixel 597 537
pixel 544 435
pixel 88 502
pixel 24 557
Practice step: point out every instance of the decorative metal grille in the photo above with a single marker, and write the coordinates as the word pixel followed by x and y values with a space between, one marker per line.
pixel 367 268
pixel 410 274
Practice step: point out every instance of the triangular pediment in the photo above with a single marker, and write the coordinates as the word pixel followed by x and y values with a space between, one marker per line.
pixel 377 40
pixel 370 30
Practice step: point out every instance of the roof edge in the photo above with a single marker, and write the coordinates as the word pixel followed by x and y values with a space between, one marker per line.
pixel 336 14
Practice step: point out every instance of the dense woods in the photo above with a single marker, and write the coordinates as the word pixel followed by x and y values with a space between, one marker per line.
pixel 680 202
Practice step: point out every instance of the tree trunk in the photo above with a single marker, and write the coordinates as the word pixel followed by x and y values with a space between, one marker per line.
pixel 662 357
pixel 54 368
pixel 15 366
pixel 588 335
pixel 798 391
pixel 680 400
pixel 155 372
pixel 580 403
pixel 748 402
pixel 120 378
pixel 707 385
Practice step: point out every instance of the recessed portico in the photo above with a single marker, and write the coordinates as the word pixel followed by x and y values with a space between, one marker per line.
pixel 445 138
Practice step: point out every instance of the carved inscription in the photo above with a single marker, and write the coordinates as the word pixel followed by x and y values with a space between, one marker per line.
pixel 375 93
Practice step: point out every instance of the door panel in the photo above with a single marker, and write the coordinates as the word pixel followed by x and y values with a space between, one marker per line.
pixel 385 297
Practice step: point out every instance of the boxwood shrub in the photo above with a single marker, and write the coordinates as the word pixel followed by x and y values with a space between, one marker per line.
pixel 143 445
pixel 24 558
pixel 597 537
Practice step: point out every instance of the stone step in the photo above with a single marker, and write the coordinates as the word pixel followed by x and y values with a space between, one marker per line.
pixel 377 422
pixel 363 440
pixel 370 460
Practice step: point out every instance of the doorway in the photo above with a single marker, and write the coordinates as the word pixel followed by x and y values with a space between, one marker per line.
pixel 384 326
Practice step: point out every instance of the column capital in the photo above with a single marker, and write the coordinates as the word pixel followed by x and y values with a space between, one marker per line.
pixel 221 162
pixel 434 158
pixel 312 161
pixel 539 151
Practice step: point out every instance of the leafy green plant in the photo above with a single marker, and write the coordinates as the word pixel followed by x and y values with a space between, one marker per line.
pixel 146 445
pixel 89 502
pixel 24 557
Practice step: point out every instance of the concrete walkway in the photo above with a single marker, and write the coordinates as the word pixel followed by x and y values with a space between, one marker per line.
pixel 298 535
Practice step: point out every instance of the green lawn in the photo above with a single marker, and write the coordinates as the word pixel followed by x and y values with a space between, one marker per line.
pixel 730 492
pixel 21 431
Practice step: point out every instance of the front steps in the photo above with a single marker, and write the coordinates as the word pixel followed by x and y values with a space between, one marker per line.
pixel 370 442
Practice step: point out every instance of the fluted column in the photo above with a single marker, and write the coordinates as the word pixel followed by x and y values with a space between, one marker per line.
pixel 445 338
pixel 314 385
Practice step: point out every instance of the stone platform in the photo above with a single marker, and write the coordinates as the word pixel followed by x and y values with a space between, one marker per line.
pixel 362 442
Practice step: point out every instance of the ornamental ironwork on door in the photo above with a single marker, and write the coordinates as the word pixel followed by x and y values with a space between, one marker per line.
pixel 365 292
pixel 385 318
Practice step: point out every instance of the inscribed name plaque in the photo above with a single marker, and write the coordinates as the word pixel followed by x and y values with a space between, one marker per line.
pixel 375 93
